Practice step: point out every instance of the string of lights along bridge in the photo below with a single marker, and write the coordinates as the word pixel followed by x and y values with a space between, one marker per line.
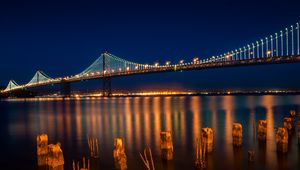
pixel 281 47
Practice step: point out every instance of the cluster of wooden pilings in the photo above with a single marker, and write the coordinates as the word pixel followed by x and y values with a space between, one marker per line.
pixel 284 133
pixel 49 156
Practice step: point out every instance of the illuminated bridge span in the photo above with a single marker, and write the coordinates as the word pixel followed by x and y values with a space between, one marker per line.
pixel 279 48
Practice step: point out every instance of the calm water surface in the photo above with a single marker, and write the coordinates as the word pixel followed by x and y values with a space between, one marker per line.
pixel 139 121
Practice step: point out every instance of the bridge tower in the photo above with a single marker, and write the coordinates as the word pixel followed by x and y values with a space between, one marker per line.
pixel 65 90
pixel 106 88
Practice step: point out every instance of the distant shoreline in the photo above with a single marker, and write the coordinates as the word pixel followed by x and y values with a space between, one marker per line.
pixel 165 94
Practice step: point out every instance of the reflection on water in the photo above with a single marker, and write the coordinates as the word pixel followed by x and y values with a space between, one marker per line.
pixel 139 121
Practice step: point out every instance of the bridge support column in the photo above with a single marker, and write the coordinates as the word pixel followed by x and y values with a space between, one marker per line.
pixel 65 90
pixel 106 89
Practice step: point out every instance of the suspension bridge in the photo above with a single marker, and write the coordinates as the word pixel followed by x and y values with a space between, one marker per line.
pixel 279 48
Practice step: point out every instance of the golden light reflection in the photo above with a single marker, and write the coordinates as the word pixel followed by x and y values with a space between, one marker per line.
pixel 227 103
pixel 252 125
pixel 93 118
pixel 271 158
pixel 137 125
pixel 157 121
pixel 128 119
pixel 147 127
pixel 113 124
pixel 214 109
pixel 167 113
pixel 182 113
pixel 59 117
pixel 78 119
pixel 196 118
pixel 68 121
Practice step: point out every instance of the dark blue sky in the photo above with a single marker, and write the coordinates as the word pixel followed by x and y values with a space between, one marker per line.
pixel 63 38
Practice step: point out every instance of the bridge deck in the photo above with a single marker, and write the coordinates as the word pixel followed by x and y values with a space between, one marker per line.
pixel 171 68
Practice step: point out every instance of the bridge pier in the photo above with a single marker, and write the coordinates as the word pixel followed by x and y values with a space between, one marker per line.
pixel 106 88
pixel 65 89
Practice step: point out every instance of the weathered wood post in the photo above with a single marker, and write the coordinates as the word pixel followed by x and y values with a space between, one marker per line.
pixel 262 130
pixel 200 161
pixel 282 140
pixel 237 134
pixel 208 139
pixel 55 160
pixel 119 154
pixel 149 163
pixel 288 124
pixel 42 149
pixel 293 115
pixel 166 145
pixel 251 154
pixel 93 147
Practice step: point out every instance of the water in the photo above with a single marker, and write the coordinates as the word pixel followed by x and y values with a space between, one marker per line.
pixel 139 121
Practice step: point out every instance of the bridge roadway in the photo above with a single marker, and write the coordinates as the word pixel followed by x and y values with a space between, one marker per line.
pixel 170 68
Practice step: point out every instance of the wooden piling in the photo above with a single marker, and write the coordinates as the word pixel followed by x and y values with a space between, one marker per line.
pixel 288 124
pixel 93 144
pixel 293 115
pixel 55 159
pixel 282 140
pixel 120 158
pixel 262 130
pixel 84 167
pixel 237 134
pixel 200 160
pixel 251 154
pixel 42 149
pixel 166 145
pixel 208 139
pixel 149 163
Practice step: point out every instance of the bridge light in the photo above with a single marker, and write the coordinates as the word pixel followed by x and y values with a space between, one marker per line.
pixel 127 68
pixel 113 70
pixel 195 60
pixel 181 61
pixel 120 69
pixel 136 67
pixel 156 64
pixel 269 53
pixel 168 63
pixel 104 71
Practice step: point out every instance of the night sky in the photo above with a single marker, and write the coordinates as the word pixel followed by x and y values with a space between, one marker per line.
pixel 63 38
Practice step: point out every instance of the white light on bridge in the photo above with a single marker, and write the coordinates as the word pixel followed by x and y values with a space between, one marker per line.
pixel 195 60
pixel 269 53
